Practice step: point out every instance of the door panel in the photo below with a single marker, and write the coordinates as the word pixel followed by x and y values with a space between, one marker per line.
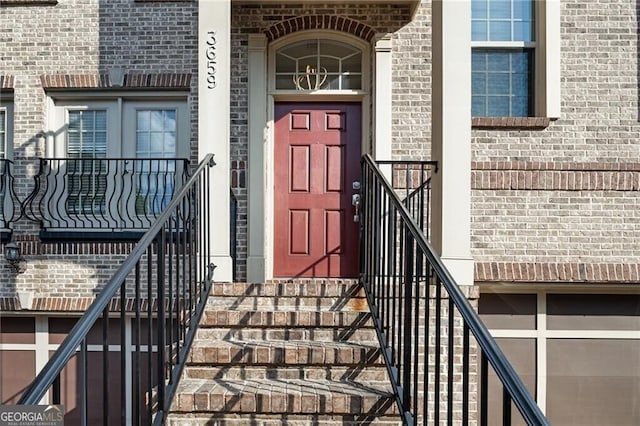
pixel 317 157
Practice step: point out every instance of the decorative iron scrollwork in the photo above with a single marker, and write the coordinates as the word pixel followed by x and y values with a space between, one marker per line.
pixel 312 79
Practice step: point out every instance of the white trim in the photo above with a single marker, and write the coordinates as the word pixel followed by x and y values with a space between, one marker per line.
pixel 256 176
pixel 451 137
pixel 504 44
pixel 41 348
pixel 383 96
pixel 7 107
pixel 214 121
pixel 541 351
pixel 548 60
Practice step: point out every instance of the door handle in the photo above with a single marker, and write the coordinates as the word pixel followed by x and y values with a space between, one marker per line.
pixel 355 201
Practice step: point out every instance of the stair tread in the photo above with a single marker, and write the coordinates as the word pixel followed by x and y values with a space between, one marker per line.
pixel 279 396
pixel 304 386
pixel 285 343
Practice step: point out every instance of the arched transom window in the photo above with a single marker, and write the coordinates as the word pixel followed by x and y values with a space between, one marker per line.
pixel 318 64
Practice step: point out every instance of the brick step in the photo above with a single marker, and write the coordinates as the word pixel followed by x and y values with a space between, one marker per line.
pixel 363 375
pixel 299 288
pixel 319 397
pixel 333 334
pixel 215 419
pixel 288 303
pixel 212 352
pixel 290 319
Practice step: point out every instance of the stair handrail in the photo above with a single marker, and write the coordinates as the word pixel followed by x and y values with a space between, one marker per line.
pixel 156 234
pixel 514 388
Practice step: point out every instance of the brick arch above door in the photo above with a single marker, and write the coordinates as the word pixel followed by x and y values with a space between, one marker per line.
pixel 320 22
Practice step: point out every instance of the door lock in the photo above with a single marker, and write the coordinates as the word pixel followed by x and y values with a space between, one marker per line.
pixel 355 201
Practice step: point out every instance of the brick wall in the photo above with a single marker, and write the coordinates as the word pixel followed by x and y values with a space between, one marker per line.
pixel 553 202
pixel 81 37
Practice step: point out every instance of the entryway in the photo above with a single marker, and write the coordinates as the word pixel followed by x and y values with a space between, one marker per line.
pixel 317 153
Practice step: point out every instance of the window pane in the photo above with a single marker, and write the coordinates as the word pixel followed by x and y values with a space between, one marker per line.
pixel 523 9
pixel 479 9
pixel 498 106
pixel 499 31
pixel 351 82
pixel 501 82
pixel 329 64
pixel 143 120
pixel 522 31
pixel 285 82
pixel 285 64
pixel 155 178
pixel 498 61
pixel 352 63
pixel 479 82
pixel 479 31
pixel 87 134
pixel 506 20
pixel 318 65
pixel 499 9
pixel 156 121
pixel 478 108
pixel 498 84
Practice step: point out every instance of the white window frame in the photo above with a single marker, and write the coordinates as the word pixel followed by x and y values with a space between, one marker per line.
pixel 121 131
pixel 546 57
pixel 7 107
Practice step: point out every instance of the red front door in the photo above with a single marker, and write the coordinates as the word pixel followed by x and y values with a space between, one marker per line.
pixel 317 157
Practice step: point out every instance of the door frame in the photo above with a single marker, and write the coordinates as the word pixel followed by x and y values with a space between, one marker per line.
pixel 262 99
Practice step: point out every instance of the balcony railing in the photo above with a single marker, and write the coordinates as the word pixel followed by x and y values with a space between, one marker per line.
pixel 8 204
pixel 154 301
pixel 102 198
pixel 438 352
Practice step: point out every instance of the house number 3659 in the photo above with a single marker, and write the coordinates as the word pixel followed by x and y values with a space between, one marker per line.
pixel 212 63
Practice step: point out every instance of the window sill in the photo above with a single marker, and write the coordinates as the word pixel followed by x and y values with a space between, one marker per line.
pixel 510 122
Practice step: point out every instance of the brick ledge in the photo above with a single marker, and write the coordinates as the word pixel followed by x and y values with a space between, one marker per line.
pixel 510 122
pixel 68 304
pixel 102 81
pixel 608 273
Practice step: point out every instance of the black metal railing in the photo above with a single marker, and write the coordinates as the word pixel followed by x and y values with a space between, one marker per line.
pixel 80 198
pixel 412 182
pixel 436 348
pixel 8 198
pixel 121 361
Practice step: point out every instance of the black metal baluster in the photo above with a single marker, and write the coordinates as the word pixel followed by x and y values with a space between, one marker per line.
pixel 436 368
pixel 465 374
pixel 484 389
pixel 84 415
pixel 150 339
pixel 137 414
pixel 105 365
pixel 450 357
pixel 123 353
pixel 161 359
pixel 506 407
